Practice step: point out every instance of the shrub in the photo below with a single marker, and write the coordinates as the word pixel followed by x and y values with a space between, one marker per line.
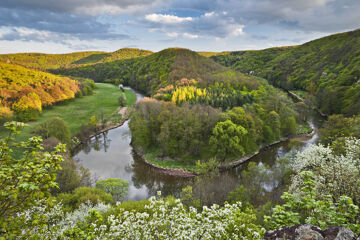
pixel 55 127
pixel 81 195
pixel 115 186
pixel 122 100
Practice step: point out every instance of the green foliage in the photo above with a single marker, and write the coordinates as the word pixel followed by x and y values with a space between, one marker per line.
pixel 228 139
pixel 188 199
pixel 240 194
pixel 190 131
pixel 335 169
pixel 309 209
pixel 55 127
pixel 24 180
pixel 176 131
pixel 327 68
pixel 117 187
pixel 289 126
pixel 168 67
pixel 54 61
pixel 71 201
pixel 338 126
pixel 122 100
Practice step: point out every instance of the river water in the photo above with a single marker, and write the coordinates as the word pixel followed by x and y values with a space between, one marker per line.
pixel 109 155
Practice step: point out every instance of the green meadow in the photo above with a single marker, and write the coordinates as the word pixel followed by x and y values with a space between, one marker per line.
pixel 78 111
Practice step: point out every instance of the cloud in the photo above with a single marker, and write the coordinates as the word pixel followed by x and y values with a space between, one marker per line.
pixel 209 24
pixel 166 19
pixel 26 34
pixel 40 21
pixel 86 7
pixel 172 34
pixel 190 36
pixel 305 15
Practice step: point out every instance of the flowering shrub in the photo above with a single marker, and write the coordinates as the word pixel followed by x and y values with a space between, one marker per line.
pixel 310 209
pixel 334 174
pixel 325 189
pixel 161 221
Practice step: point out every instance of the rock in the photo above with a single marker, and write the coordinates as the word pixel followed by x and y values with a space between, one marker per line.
pixel 310 232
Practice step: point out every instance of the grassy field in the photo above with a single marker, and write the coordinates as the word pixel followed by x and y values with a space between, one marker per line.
pixel 79 110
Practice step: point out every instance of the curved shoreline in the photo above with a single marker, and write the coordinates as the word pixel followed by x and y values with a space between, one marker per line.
pixel 188 174
pixel 125 117
pixel 177 172
pixel 242 160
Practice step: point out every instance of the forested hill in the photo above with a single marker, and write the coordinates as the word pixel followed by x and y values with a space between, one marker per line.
pixel 26 91
pixel 328 68
pixel 161 69
pixel 45 62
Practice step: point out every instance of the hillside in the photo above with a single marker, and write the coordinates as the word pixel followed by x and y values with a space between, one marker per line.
pixel 327 68
pixel 45 62
pixel 123 53
pixel 158 70
pixel 24 90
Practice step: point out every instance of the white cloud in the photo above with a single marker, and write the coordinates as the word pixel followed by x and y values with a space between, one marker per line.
pixel 190 36
pixel 167 19
pixel 172 34
pixel 209 14
pixel 237 30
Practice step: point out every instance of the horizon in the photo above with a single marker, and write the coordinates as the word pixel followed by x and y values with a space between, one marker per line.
pixel 38 26
pixel 177 47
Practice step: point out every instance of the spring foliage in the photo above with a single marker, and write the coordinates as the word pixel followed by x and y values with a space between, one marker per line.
pixel 26 91
pixel 25 180
pixel 327 68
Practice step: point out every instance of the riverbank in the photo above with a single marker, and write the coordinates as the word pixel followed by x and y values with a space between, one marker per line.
pixel 124 112
pixel 180 172
pixel 168 171
pixel 300 99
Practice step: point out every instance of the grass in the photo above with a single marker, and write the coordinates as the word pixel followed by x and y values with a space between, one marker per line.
pixel 301 93
pixel 78 111
pixel 303 127
pixel 151 157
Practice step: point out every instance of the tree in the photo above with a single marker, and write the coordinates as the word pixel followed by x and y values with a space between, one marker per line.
pixel 28 107
pixel 228 139
pixel 338 126
pixel 102 118
pixel 122 100
pixel 55 127
pixel 273 120
pixel 288 126
pixel 26 179
pixel 335 174
pixel 115 186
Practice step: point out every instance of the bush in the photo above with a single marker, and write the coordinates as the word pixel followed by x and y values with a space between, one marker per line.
pixel 117 187
pixel 81 195
pixel 122 100
pixel 55 127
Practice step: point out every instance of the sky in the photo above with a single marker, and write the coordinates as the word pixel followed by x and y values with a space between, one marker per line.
pixel 61 26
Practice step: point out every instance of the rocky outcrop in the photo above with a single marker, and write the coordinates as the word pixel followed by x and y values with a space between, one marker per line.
pixel 310 232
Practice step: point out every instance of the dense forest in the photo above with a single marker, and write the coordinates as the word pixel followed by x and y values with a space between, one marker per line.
pixel 327 68
pixel 26 92
pixel 45 62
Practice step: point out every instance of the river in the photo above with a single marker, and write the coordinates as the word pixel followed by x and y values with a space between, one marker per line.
pixel 109 155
